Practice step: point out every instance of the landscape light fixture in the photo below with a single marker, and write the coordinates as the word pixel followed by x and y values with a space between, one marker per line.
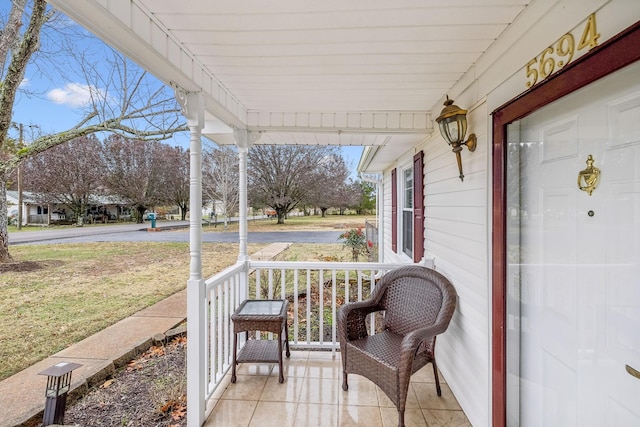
pixel 58 385
pixel 453 127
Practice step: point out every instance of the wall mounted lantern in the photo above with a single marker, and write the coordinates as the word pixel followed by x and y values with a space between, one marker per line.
pixel 453 127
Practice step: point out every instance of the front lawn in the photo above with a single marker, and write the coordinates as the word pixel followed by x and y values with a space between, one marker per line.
pixel 57 295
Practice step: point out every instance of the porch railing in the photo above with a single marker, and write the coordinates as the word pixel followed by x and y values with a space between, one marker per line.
pixel 371 231
pixel 315 291
pixel 38 219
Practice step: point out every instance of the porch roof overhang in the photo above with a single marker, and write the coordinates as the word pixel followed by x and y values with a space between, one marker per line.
pixel 365 73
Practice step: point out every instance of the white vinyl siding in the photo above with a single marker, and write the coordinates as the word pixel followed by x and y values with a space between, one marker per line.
pixel 456 238
pixel 456 219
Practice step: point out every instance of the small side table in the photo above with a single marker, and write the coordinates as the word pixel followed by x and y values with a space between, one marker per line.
pixel 260 315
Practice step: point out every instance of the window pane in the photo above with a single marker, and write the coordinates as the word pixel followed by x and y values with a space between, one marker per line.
pixel 407 232
pixel 408 188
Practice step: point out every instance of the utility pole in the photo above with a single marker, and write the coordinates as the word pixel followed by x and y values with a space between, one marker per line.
pixel 20 181
pixel 20 128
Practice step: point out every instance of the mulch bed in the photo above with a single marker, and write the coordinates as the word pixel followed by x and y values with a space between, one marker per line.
pixel 149 391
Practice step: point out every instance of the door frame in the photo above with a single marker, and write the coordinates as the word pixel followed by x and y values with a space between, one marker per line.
pixel 616 53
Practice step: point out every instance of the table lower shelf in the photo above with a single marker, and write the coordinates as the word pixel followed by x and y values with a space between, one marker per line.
pixel 262 351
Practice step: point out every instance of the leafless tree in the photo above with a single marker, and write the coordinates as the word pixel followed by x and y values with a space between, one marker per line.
pixel 220 179
pixel 71 174
pixel 284 176
pixel 135 172
pixel 123 100
pixel 332 189
pixel 175 173
pixel 350 196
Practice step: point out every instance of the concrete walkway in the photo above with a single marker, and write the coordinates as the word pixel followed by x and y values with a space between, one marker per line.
pixel 22 395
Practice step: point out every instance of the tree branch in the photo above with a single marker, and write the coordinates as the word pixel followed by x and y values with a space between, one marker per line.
pixel 19 60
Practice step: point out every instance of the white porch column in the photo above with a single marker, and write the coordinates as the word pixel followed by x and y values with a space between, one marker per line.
pixel 193 109
pixel 242 195
pixel 243 140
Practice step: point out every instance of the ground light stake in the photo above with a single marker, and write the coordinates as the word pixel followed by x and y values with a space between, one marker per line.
pixel 58 385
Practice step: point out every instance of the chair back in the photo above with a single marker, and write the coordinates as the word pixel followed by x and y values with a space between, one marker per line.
pixel 415 297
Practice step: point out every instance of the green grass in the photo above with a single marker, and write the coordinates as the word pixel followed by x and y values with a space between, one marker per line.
pixel 13 228
pixel 312 222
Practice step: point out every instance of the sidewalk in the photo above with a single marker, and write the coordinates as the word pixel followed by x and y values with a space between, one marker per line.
pixel 22 395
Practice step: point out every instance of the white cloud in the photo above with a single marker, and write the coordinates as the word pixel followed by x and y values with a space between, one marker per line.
pixel 74 94
pixel 24 83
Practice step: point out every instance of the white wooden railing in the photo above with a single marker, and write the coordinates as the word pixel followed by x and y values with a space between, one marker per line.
pixel 315 291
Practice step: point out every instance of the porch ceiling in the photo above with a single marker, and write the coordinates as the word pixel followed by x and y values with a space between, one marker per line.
pixel 307 72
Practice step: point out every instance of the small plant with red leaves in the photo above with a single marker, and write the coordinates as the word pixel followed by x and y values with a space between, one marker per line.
pixel 356 240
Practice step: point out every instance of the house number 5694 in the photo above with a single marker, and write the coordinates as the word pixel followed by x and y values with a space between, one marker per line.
pixel 561 52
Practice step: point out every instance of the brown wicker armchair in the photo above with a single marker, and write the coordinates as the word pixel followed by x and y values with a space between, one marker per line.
pixel 418 304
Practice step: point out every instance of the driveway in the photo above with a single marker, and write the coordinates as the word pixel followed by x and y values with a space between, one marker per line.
pixel 174 231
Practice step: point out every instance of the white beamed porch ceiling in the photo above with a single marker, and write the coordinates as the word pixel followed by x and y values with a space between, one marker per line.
pixel 369 73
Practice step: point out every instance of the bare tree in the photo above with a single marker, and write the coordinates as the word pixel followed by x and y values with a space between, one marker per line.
pixel 135 172
pixel 124 100
pixel 220 179
pixel 284 176
pixel 175 168
pixel 331 188
pixel 350 196
pixel 70 173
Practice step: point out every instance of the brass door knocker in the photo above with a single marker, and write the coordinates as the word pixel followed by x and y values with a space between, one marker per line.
pixel 589 177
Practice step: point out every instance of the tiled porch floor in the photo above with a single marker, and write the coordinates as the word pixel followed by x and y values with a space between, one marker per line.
pixel 312 396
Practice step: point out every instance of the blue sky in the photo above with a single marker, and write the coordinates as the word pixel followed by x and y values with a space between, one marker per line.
pixel 51 101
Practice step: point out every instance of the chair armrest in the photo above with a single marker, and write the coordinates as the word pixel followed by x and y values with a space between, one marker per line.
pixel 352 319
pixel 410 345
pixel 413 339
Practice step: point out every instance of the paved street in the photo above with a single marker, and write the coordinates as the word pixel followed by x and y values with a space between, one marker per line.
pixel 173 231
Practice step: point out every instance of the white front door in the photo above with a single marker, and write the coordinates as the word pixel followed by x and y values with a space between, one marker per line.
pixel 573 307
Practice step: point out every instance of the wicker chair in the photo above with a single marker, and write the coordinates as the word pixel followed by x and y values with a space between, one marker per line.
pixel 418 304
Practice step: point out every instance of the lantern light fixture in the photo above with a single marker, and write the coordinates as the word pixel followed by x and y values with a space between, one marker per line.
pixel 453 127
pixel 58 386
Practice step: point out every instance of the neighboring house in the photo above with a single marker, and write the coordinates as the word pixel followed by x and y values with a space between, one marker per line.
pixel 35 212
pixel 212 209
pixel 108 208
pixel 542 237
pixel 12 206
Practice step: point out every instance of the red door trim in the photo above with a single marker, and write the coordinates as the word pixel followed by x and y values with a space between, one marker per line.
pixel 616 53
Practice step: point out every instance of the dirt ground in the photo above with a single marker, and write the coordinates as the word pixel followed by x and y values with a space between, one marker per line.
pixel 22 266
pixel 149 391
